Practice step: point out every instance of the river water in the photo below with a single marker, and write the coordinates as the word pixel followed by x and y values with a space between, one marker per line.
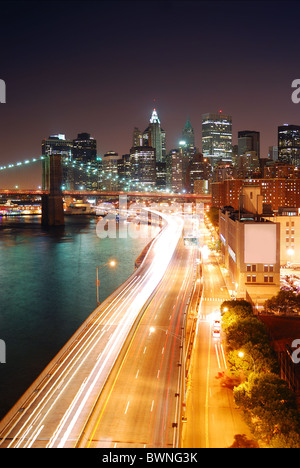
pixel 48 288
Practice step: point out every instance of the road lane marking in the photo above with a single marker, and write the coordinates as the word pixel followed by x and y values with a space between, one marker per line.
pixel 224 358
pixel 207 391
pixel 217 353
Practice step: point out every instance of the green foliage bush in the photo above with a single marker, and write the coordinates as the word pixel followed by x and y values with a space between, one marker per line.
pixel 269 406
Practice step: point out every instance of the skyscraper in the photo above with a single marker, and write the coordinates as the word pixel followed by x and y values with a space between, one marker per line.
pixel 188 134
pixel 110 180
pixel 176 170
pixel 217 137
pixel 59 145
pixel 248 140
pixel 85 171
pixel 155 137
pixel 84 148
pixel 143 167
pixel 137 139
pixel 289 144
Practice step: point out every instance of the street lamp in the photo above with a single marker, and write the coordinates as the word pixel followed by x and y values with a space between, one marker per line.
pixel 111 263
pixel 241 354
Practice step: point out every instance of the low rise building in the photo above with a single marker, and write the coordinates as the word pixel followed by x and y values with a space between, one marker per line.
pixel 250 249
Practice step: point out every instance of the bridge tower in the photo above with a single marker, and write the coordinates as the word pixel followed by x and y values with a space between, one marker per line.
pixel 52 203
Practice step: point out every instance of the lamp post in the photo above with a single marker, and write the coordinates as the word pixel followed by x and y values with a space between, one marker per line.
pixel 241 354
pixel 111 263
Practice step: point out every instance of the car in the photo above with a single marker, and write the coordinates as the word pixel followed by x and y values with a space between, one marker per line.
pixel 216 333
pixel 217 324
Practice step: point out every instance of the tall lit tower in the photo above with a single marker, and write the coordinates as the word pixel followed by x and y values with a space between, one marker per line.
pixel 188 134
pixel 217 137
pixel 155 137
pixel 289 144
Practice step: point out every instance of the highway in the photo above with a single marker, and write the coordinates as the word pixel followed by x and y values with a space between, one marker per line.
pixel 212 417
pixel 143 406
pixel 59 403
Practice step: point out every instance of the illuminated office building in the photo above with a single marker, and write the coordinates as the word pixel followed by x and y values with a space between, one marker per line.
pixel 85 168
pixel 59 145
pixel 248 140
pixel 250 248
pixel 289 144
pixel 110 168
pixel 217 137
pixel 155 137
pixel 143 165
pixel 137 138
pixel 176 170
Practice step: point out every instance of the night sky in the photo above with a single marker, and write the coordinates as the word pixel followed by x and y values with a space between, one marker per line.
pixel 101 67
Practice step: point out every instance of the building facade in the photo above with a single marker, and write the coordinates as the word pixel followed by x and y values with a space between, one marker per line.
pixel 276 193
pixel 250 249
pixel 217 137
pixel 248 140
pixel 188 135
pixel 289 144
pixel 58 145
pixel 155 137
pixel 86 164
pixel 143 165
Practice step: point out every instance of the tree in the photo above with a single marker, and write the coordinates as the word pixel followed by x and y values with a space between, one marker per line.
pixel 259 357
pixel 245 330
pixel 269 406
pixel 213 216
pixel 285 302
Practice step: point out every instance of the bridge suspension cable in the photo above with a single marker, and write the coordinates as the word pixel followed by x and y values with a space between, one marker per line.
pixel 95 174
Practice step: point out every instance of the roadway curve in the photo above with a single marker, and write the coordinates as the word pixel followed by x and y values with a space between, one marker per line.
pixel 145 402
pixel 54 410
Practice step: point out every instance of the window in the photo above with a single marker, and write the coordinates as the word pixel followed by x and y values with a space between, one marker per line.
pixel 253 279
pixel 248 278
pixel 266 279
pixel 248 267
pixel 270 279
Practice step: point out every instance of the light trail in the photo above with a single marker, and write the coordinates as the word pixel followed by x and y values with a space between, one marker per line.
pixel 108 328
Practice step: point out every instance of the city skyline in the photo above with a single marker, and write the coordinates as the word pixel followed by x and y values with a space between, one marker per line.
pixel 106 81
pixel 150 226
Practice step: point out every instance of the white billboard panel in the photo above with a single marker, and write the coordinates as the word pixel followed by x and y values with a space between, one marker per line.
pixel 260 243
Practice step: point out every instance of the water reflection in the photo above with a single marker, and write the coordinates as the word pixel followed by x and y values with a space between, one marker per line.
pixel 47 289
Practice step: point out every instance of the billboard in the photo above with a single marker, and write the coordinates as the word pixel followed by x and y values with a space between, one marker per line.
pixel 260 243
